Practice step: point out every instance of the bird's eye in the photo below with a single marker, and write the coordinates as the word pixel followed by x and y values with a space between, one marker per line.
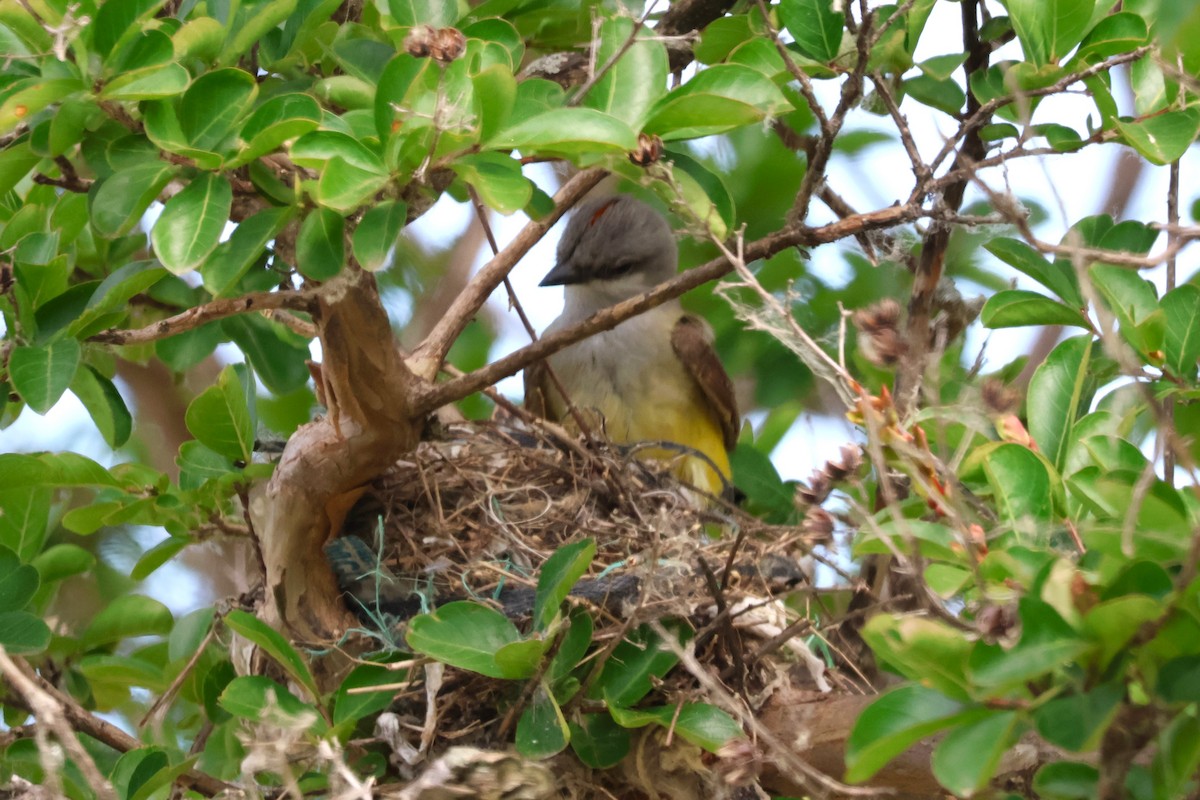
pixel 620 269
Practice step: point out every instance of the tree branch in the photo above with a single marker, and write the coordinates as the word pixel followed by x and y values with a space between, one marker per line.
pixel 201 315
pixel 432 396
pixel 427 359
pixel 46 700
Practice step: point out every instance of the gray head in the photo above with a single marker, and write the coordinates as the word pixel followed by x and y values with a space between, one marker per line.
pixel 615 246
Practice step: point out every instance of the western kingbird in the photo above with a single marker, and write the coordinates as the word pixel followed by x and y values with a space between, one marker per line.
pixel 653 378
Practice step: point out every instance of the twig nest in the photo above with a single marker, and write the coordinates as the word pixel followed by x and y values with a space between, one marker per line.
pixel 475 511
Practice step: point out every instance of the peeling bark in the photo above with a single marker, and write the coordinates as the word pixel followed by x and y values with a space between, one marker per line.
pixel 370 423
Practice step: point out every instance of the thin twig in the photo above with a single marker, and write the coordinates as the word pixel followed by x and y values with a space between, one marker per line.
pixel 608 318
pixel 203 314
pixel 429 355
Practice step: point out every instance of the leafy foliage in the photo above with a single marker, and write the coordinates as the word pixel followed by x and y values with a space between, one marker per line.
pixel 170 169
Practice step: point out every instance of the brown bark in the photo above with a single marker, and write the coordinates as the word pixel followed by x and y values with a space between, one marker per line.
pixel 370 423
pixel 818 727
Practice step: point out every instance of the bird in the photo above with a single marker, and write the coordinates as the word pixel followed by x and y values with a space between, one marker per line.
pixel 655 377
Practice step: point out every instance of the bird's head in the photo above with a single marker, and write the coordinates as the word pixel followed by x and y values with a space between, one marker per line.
pixel 614 248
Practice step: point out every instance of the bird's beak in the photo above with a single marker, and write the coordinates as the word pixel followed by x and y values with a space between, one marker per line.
pixel 563 274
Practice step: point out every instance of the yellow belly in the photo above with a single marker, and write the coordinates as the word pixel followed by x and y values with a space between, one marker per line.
pixel 645 397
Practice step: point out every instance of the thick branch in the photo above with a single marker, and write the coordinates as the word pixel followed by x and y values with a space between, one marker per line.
pixel 371 422
pixel 427 359
pixel 933 250
pixel 201 315
pixel 433 396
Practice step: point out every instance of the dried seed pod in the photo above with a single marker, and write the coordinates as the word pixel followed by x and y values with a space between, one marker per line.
pixel 420 41
pixel 649 150
pixel 880 339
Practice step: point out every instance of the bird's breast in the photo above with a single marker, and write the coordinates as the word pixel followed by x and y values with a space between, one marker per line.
pixel 632 380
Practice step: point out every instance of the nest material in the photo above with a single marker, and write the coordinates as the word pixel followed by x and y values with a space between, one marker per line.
pixel 475 511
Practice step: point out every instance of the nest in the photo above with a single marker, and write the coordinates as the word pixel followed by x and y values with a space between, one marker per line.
pixel 478 508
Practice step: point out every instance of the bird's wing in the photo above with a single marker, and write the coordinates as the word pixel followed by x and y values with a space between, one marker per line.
pixel 692 341
pixel 537 401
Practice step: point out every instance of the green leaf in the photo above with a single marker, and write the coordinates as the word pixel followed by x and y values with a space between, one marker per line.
pixel 1049 29
pixel 944 95
pixel 1134 302
pixel 558 575
pixel 1115 33
pixel 62 561
pixel 192 222
pixel 1181 340
pixel 158 555
pixel 220 419
pixel 314 150
pixel 520 659
pixel 495 94
pixel 20 470
pixel 1059 277
pixel 438 13
pixel 198 464
pixel 815 26
pixel 283 117
pixel 598 741
pixel 766 492
pixel 320 245
pixel 932 540
pixel 629 673
pixel 344 187
pixel 374 240
pixel 542 730
pixel 41 374
pixel 1066 780
pixel 127 616
pixel 263 18
pixel 638 79
pixel 102 400
pixel 704 191
pixel 113 294
pixel 148 83
pixel 274 352
pixel 114 20
pixel 22 633
pixel 1163 138
pixel 1179 680
pixel 1078 721
pixel 18 582
pixel 275 645
pixel 1047 643
pixel 25 519
pixel 703 725
pixel 465 635
pixel 1060 392
pixel 1016 308
pixel 258 698
pixel 572 647
pixel 212 106
pixel 245 246
pixel 893 723
pixel 922 649
pixel 498 180
pixel 1021 484
pixel 20 105
pixel 716 100
pixel 134 768
pixel 567 132
pixel 352 706
pixel 967 758
pixel 1178 755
